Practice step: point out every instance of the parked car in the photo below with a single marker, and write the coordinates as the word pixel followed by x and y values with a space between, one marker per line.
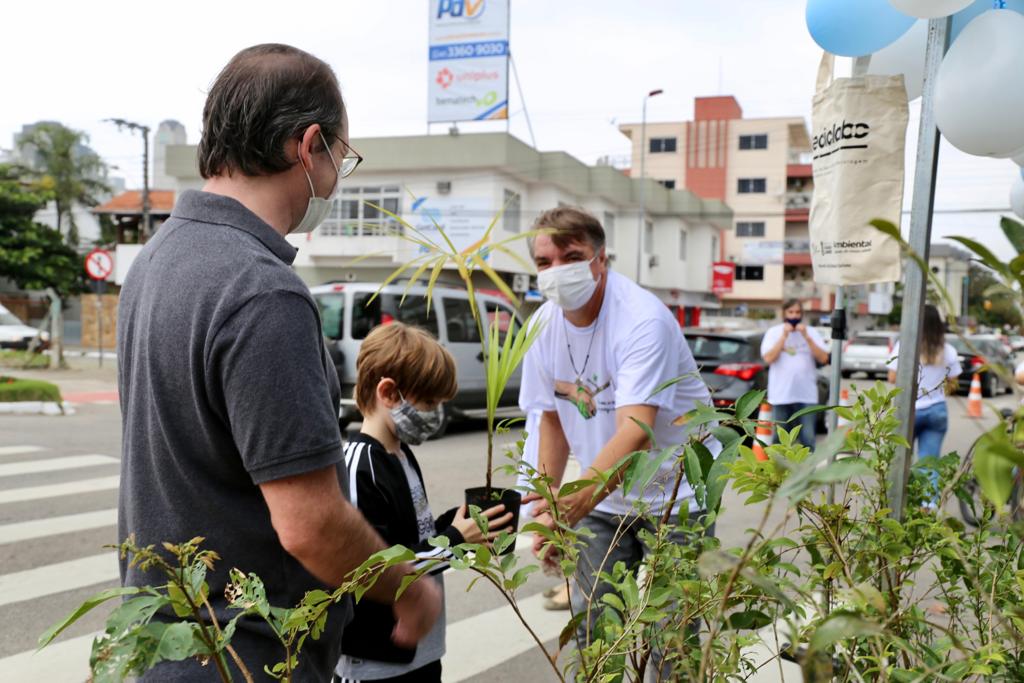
pixel 981 354
pixel 869 352
pixel 15 334
pixel 350 310
pixel 731 365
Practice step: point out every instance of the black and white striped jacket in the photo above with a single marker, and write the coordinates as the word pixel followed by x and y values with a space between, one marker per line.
pixel 377 485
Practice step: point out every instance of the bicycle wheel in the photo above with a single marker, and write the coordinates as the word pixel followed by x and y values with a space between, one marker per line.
pixel 969 496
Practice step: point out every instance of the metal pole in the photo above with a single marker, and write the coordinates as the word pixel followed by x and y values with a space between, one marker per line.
pixel 519 89
pixel 146 225
pixel 99 318
pixel 641 223
pixel 915 281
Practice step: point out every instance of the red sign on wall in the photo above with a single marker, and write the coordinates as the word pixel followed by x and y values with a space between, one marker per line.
pixel 722 274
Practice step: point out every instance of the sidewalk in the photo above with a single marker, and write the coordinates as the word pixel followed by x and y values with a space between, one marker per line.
pixel 83 381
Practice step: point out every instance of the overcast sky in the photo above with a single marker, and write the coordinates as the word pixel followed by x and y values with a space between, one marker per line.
pixel 584 66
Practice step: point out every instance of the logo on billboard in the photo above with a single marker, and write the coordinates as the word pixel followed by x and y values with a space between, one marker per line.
pixel 461 9
pixel 444 78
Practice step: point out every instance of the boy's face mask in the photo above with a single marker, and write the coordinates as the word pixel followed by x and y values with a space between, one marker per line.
pixel 414 426
pixel 794 321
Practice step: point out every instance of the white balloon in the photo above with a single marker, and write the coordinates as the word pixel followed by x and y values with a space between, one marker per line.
pixel 979 92
pixel 905 56
pixel 1017 197
pixel 930 9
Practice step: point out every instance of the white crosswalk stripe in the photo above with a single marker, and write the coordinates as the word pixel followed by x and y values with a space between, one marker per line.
pixel 49 579
pixel 11 469
pixel 51 526
pixel 62 662
pixel 18 450
pixel 70 488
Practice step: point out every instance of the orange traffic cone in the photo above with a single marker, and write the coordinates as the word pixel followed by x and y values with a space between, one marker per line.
pixel 974 404
pixel 763 431
pixel 844 400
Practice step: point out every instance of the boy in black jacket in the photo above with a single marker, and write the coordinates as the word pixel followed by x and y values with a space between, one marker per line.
pixel 402 377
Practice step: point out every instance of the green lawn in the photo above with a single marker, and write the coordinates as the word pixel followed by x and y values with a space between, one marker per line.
pixel 10 358
pixel 13 389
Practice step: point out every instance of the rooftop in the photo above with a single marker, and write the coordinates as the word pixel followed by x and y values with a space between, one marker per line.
pixel 130 202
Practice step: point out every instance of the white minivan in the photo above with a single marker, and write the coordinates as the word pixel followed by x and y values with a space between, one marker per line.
pixel 349 311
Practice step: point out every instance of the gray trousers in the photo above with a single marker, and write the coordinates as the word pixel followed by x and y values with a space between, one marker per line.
pixel 630 550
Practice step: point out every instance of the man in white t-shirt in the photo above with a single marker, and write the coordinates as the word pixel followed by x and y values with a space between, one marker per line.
pixel 791 351
pixel 606 346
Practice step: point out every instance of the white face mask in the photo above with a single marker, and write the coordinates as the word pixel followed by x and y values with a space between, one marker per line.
pixel 570 286
pixel 318 207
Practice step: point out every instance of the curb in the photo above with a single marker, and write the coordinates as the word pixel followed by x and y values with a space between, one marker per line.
pixel 35 408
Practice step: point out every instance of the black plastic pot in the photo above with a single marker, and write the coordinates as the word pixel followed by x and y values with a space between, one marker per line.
pixel 485 498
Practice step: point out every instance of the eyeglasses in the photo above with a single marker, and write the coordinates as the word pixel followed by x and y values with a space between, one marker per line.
pixel 350 161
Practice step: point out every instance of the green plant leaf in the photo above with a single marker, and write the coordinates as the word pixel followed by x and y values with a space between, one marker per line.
pixel 986 256
pixel 98 599
pixel 1014 231
pixel 994 459
pixel 840 626
pixel 645 466
pixel 809 410
pixel 176 641
pixel 748 403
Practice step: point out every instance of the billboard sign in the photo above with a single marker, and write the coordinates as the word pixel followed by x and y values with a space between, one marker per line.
pixel 468 60
pixel 464 220
pixel 722 275
pixel 763 253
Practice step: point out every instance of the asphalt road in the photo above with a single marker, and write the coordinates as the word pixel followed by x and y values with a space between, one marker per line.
pixel 58 497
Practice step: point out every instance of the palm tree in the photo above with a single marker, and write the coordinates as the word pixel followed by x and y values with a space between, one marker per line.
pixel 58 158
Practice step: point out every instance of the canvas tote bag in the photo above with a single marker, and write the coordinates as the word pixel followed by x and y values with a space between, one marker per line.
pixel 858 134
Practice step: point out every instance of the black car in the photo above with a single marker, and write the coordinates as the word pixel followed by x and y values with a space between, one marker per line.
pixel 731 365
pixel 981 354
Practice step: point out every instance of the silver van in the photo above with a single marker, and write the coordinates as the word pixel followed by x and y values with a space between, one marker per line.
pixel 348 315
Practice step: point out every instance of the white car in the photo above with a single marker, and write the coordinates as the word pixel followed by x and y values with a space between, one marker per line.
pixel 869 352
pixel 14 334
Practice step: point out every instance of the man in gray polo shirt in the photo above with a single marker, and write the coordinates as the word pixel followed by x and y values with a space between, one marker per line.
pixel 229 399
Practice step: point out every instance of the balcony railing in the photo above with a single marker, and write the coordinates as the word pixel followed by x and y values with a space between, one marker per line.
pixel 797 246
pixel 798 200
pixel 799 158
pixel 799 289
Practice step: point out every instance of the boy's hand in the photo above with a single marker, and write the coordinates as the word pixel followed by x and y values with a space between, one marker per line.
pixel 495 525
pixel 415 612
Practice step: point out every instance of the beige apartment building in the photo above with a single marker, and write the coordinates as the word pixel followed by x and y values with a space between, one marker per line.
pixel 761 169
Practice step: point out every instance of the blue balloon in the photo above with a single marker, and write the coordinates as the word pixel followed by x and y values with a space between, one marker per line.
pixel 964 16
pixel 854 28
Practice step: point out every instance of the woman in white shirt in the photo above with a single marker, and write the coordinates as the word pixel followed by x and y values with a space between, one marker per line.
pixel 938 363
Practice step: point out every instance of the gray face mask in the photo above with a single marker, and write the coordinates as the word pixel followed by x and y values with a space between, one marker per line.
pixel 317 208
pixel 413 426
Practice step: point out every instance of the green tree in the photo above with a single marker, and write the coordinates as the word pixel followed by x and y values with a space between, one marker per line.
pixel 988 302
pixel 59 160
pixel 33 255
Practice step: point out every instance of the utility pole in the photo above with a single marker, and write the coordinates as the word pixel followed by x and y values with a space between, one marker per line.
pixel 643 160
pixel 146 226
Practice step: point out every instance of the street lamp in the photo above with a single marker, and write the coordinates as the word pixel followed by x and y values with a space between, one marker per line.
pixel 121 123
pixel 643 160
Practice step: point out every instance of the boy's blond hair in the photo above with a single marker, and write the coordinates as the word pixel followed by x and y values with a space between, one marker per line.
pixel 422 369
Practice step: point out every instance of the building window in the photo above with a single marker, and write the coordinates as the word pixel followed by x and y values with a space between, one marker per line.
pixel 682 245
pixel 609 229
pixel 353 216
pixel 513 211
pixel 648 237
pixel 750 272
pixel 751 185
pixel 660 145
pixel 668 184
pixel 754 141
pixel 750 229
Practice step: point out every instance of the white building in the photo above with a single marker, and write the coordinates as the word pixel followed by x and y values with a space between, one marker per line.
pixel 465 180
